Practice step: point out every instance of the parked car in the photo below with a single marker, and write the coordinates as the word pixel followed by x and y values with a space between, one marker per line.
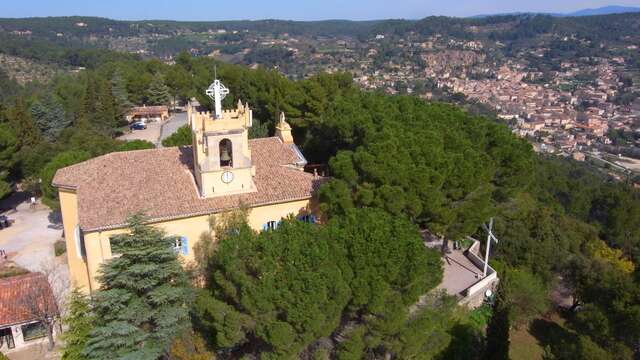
pixel 4 222
pixel 138 125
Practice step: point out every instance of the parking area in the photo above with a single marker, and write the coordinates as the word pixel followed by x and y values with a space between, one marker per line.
pixel 157 131
pixel 150 134
pixel 28 242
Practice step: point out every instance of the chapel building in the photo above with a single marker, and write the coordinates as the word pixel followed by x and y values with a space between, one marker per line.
pixel 179 189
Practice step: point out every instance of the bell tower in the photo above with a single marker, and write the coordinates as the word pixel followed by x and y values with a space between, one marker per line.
pixel 221 154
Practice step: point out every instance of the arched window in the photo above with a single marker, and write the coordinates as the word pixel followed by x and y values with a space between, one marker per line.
pixel 226 153
pixel 78 237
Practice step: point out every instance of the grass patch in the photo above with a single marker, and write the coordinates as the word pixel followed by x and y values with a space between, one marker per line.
pixel 524 345
pixel 9 271
pixel 549 332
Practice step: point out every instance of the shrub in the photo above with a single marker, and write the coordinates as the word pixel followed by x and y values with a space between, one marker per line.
pixel 181 137
pixel 6 272
pixel 59 247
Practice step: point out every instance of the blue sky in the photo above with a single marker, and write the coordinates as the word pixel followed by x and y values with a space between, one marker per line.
pixel 287 9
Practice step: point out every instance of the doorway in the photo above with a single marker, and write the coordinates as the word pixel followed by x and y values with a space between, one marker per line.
pixel 6 338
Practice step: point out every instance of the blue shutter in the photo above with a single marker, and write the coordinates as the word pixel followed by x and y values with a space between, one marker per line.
pixel 265 226
pixel 185 245
pixel 312 218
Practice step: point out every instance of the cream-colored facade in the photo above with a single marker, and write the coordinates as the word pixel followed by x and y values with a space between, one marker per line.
pixel 84 263
pixel 88 250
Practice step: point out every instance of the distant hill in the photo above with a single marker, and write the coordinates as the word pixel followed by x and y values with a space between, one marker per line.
pixel 605 10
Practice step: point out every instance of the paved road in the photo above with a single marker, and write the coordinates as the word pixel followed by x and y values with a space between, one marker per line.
pixel 175 121
pixel 156 131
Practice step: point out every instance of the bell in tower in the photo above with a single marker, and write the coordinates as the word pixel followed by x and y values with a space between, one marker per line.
pixel 226 160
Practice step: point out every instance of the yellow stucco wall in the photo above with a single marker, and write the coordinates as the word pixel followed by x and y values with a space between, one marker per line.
pixel 98 248
pixel 77 265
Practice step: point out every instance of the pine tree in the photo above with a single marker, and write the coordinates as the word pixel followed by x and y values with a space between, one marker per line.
pixel 158 92
pixel 142 304
pixel 79 321
pixel 48 115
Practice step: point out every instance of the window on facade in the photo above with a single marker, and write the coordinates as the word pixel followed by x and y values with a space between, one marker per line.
pixel 309 218
pixel 181 245
pixel 226 153
pixel 33 331
pixel 79 242
pixel 270 225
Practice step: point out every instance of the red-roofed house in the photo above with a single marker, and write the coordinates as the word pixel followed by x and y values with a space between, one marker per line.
pixel 24 300
pixel 148 113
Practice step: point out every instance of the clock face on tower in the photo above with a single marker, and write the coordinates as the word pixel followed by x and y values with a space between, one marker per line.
pixel 227 177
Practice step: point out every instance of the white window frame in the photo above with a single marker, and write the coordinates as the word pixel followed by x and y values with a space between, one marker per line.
pixel 177 245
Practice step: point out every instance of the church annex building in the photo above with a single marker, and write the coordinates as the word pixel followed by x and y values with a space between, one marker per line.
pixel 180 188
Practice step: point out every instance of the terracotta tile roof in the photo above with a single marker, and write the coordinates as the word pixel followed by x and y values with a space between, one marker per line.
pixel 18 292
pixel 146 110
pixel 160 183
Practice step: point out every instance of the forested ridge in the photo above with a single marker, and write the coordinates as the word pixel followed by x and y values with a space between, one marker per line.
pixel 398 164
pixel 603 27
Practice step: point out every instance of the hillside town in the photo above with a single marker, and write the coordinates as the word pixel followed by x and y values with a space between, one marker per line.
pixel 580 106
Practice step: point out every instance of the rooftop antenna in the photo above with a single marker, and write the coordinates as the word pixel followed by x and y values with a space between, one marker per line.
pixel 217 92
pixel 490 236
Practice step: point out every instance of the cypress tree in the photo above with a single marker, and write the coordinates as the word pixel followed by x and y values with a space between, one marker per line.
pixel 90 99
pixel 158 92
pixel 26 131
pixel 120 93
pixel 498 330
pixel 106 115
pixel 143 299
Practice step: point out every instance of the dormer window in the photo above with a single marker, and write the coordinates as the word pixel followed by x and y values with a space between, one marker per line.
pixel 226 153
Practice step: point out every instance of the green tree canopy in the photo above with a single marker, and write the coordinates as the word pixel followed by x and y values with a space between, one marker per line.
pixel 8 147
pixel 50 194
pixel 281 290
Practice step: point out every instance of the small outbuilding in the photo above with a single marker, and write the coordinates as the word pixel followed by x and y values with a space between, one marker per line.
pixel 24 301
pixel 148 113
